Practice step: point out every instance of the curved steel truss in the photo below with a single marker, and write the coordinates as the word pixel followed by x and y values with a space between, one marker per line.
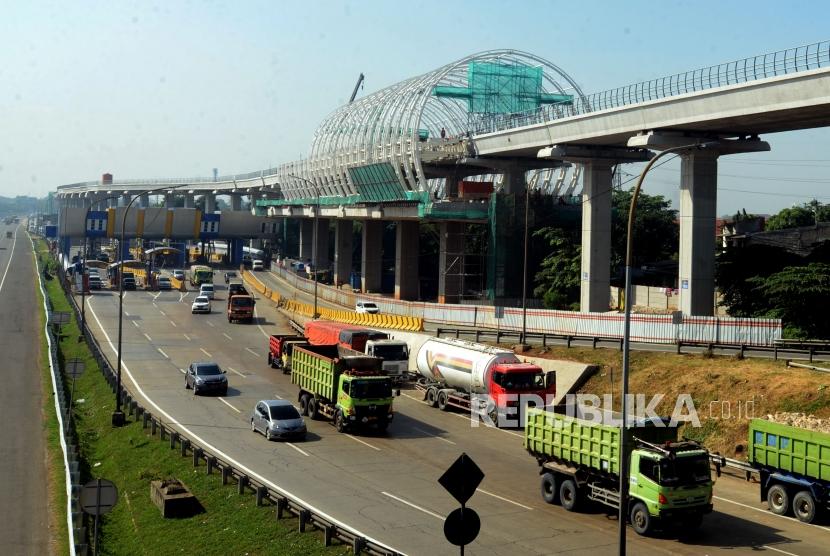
pixel 401 125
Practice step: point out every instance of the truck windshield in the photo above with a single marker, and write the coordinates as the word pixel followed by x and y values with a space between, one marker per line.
pixel 366 389
pixel 685 471
pixel 242 302
pixel 519 381
pixel 391 353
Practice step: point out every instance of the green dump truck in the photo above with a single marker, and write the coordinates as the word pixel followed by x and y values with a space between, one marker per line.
pixel 343 385
pixel 794 465
pixel 670 481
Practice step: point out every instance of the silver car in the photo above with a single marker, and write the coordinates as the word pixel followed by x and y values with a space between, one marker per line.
pixel 277 419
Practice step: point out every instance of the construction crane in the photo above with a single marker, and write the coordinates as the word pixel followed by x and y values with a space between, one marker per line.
pixel 356 86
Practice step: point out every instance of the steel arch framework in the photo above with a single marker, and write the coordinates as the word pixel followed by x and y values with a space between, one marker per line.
pixel 395 124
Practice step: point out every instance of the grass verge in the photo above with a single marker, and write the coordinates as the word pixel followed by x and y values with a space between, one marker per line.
pixel 727 391
pixel 51 430
pixel 131 458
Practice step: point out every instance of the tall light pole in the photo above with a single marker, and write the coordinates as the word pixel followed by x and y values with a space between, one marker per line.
pixel 313 235
pixel 524 271
pixel 118 415
pixel 629 246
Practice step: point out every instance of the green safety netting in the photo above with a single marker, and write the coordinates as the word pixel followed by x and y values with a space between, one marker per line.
pixel 377 182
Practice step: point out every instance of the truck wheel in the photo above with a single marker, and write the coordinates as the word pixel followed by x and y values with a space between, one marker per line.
pixel 313 410
pixel 640 519
pixel 569 495
pixel 340 421
pixel 270 361
pixel 778 500
pixel 550 493
pixel 804 507
pixel 304 404
pixel 443 398
pixel 432 396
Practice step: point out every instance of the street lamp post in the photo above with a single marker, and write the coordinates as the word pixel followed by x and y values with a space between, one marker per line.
pixel 118 415
pixel 629 246
pixel 523 339
pixel 313 235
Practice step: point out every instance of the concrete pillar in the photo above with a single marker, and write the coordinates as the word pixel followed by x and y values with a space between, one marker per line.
pixel 210 203
pixel 144 201
pixel 169 200
pixel 190 201
pixel 306 235
pixel 236 202
pixel 450 261
pixel 407 284
pixel 343 231
pixel 698 206
pixel 321 253
pixel 370 263
pixel 124 200
pixel 514 182
pixel 595 278
pixel 112 202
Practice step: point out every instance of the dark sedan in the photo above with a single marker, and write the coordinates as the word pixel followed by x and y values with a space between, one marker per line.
pixel 206 377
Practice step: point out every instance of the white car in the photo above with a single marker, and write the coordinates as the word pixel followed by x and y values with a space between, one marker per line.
pixel 258 264
pixel 367 307
pixel 200 305
pixel 206 290
pixel 178 274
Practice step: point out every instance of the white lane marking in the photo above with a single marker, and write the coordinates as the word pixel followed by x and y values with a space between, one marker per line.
pixel 303 452
pixel 778 550
pixel 156 296
pixel 252 351
pixel 765 512
pixel 174 324
pixel 9 263
pixel 209 323
pixel 206 353
pixel 235 371
pixel 264 333
pixel 183 371
pixel 135 323
pixel 216 450
pixel 465 417
pixel 229 405
pixel 181 296
pixel 149 339
pixel 410 504
pixel 482 491
pixel 364 443
pixel 277 397
pixel 164 354
pixel 126 314
pixel 186 337
pixel 226 336
pixel 434 435
pixel 162 313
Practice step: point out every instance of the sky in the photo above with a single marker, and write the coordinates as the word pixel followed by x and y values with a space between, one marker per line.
pixel 146 89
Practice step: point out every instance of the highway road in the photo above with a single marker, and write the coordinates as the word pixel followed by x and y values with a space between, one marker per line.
pixel 24 517
pixel 386 485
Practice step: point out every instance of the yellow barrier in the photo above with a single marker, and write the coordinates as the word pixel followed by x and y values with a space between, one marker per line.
pixel 178 284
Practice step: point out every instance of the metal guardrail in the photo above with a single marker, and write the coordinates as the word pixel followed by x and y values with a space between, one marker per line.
pixel 722 461
pixel 172 181
pixel 284 502
pixel 597 341
pixel 782 62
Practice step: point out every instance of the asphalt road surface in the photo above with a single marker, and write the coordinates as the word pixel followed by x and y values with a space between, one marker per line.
pixel 24 525
pixel 386 485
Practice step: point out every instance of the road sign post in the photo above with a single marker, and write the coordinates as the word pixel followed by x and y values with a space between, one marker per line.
pixel 74 368
pixel 97 498
pixel 461 480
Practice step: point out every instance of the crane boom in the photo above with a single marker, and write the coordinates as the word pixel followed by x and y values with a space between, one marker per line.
pixel 356 86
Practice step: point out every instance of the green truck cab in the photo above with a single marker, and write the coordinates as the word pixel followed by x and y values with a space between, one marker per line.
pixel 669 481
pixel 343 385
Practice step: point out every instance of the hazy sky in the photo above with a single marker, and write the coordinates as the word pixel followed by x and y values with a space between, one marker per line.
pixel 173 89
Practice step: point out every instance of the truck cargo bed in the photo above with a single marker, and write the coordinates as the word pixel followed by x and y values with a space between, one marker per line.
pixel 791 449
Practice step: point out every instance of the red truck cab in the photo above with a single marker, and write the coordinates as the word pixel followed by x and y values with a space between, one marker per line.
pixel 509 381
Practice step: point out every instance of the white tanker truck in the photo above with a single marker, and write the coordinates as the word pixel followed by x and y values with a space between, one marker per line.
pixel 452 370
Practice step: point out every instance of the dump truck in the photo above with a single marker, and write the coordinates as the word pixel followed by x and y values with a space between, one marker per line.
pixel 280 347
pixel 240 305
pixel 794 468
pixel 453 371
pixel 670 481
pixel 395 353
pixel 200 274
pixel 347 387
